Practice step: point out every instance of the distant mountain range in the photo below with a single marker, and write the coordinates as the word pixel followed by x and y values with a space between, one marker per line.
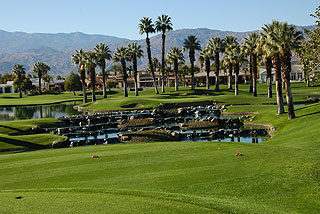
pixel 56 49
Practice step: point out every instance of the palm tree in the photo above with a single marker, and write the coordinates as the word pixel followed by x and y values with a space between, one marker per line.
pixel 276 62
pixel 40 69
pixel 90 66
pixel 163 24
pixel 250 48
pixel 286 39
pixel 174 56
pixel 122 55
pixel 264 49
pixel 79 59
pixel 217 46
pixel 147 27
pixel 135 53
pixel 192 44
pixel 204 57
pixel 103 53
pixel 19 71
pixel 233 56
pixel 229 42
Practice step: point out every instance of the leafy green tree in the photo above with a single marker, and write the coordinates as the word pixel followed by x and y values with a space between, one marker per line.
pixel 192 44
pixel 90 66
pixel 122 55
pixel 175 55
pixel 163 24
pixel 309 53
pixel 19 71
pixel 58 77
pixel 217 46
pixel 147 27
pixel 79 59
pixel 135 53
pixel 103 53
pixel 73 83
pixel 40 69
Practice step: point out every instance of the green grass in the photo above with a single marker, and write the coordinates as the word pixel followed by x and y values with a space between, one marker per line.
pixel 14 135
pixel 149 100
pixel 14 100
pixel 281 175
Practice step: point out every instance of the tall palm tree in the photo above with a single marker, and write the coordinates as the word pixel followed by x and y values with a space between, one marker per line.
pixel 19 71
pixel 233 56
pixel 103 53
pixel 90 66
pixel 79 59
pixel 217 46
pixel 163 24
pixel 122 55
pixel 204 57
pixel 264 49
pixel 276 62
pixel 229 42
pixel 147 27
pixel 250 47
pixel 287 39
pixel 40 69
pixel 192 44
pixel 175 55
pixel 135 53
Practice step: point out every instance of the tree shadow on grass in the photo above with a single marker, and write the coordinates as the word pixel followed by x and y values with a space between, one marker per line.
pixel 9 127
pixel 22 143
pixel 317 112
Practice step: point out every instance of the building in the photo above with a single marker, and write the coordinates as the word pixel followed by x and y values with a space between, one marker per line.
pixel 201 77
pixel 7 88
pixel 296 75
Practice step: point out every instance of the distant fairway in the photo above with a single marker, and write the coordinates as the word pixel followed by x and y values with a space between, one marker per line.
pixel 281 175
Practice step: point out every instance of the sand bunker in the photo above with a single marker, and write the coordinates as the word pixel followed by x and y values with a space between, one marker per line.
pixel 132 105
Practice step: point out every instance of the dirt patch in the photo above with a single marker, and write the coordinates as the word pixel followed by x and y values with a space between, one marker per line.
pixel 132 105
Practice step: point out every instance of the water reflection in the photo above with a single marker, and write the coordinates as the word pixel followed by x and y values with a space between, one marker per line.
pixel 39 111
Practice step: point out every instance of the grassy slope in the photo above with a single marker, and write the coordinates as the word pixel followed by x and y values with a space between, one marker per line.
pixel 281 175
pixel 13 99
pixel 225 96
pixel 12 134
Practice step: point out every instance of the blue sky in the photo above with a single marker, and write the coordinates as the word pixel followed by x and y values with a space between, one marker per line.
pixel 121 17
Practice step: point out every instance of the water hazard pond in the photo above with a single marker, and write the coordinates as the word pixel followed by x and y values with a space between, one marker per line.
pixel 38 111
pixel 192 123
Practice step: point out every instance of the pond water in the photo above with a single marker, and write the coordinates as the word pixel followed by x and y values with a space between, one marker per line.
pixel 38 111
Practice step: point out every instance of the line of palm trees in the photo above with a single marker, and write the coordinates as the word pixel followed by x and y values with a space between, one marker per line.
pixel 274 46
pixel 40 69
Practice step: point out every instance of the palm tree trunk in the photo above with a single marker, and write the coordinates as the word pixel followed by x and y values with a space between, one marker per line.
pixel 150 64
pixel 124 74
pixel 268 64
pixel 83 80
pixel 163 61
pixel 39 75
pixel 230 76
pixel 19 82
pixel 216 64
pixel 255 71
pixel 176 78
pixel 286 70
pixel 250 76
pixel 103 67
pixel 135 74
pixel 236 79
pixel 277 68
pixel 208 73
pixel 93 84
pixel 191 56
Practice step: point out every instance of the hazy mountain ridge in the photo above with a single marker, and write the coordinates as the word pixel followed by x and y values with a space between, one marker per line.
pixel 56 49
